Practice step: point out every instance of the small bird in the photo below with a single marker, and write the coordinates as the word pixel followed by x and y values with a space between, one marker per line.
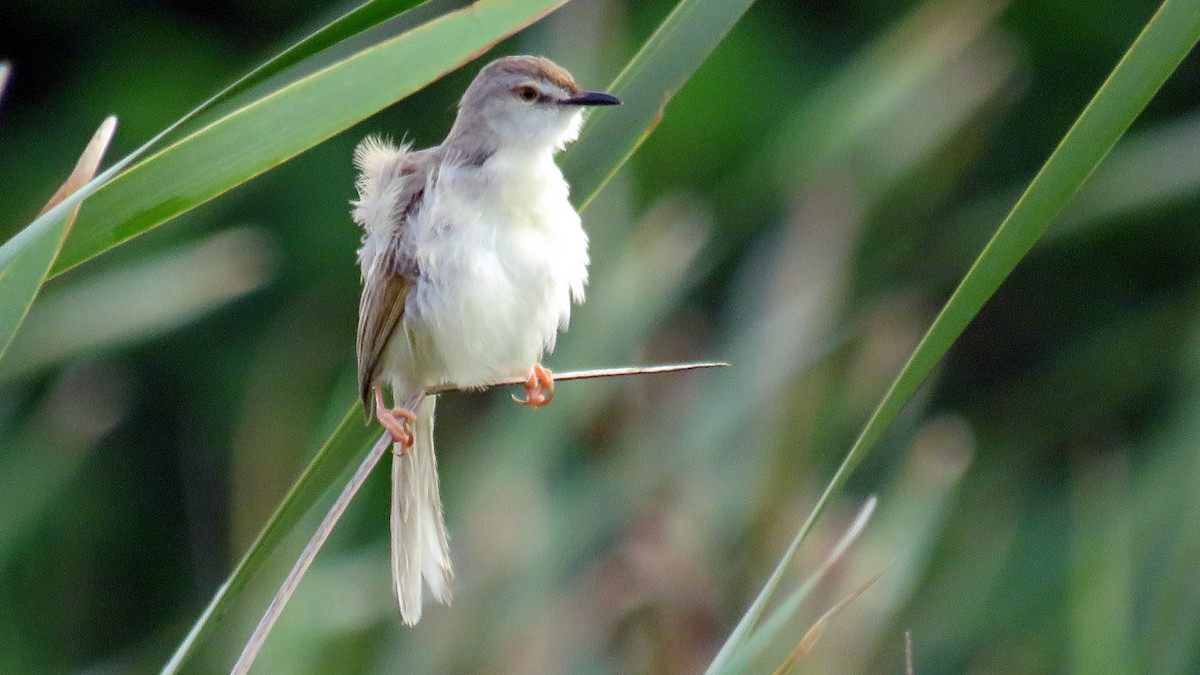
pixel 471 258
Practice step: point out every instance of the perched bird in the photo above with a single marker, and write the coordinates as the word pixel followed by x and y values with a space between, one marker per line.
pixel 471 258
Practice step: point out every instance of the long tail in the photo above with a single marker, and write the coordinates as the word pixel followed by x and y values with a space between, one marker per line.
pixel 419 545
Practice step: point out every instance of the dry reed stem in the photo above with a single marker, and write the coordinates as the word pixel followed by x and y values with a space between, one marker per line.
pixel 304 561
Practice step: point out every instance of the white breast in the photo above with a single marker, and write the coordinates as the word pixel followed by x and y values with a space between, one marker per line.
pixel 502 255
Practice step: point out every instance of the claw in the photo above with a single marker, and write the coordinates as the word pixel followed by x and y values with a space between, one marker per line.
pixel 539 389
pixel 397 421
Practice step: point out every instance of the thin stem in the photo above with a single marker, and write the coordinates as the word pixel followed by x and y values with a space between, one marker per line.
pixel 585 375
pixel 335 513
pixel 338 509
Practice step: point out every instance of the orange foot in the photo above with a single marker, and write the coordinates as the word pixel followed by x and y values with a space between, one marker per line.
pixel 396 420
pixel 539 389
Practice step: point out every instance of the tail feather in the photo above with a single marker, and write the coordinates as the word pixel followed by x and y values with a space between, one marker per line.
pixel 419 544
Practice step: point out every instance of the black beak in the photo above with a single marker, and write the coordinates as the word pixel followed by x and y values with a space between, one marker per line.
pixel 590 98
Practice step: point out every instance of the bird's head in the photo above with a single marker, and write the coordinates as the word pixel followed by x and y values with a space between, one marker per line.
pixel 524 101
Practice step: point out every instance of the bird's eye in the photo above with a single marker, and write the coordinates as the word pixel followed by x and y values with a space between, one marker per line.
pixel 526 93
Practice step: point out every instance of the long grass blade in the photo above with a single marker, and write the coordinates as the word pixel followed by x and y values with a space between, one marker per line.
pixel 304 561
pixel 742 646
pixel 645 86
pixel 327 466
pixel 1167 38
pixel 23 269
pixel 815 631
pixel 49 230
pixel 271 129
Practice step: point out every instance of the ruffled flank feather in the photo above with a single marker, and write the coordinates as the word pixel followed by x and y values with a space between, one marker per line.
pixel 379 162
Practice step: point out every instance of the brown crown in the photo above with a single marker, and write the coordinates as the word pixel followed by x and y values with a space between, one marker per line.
pixel 537 67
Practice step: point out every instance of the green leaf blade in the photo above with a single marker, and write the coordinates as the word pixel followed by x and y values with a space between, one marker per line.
pixel 647 84
pixel 1171 33
pixel 23 270
pixel 1167 38
pixel 25 259
pixel 268 131
pixel 349 440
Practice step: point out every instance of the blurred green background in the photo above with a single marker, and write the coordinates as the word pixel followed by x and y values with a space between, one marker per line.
pixel 803 209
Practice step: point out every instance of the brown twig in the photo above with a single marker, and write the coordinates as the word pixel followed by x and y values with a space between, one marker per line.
pixel 585 375
pixel 338 509
pixel 86 167
pixel 288 587
pixel 332 516
pixel 818 628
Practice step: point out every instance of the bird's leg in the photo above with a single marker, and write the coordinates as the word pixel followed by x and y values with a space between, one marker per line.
pixel 396 421
pixel 539 389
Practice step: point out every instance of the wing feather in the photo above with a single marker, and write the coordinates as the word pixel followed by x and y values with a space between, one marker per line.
pixel 380 312
pixel 391 186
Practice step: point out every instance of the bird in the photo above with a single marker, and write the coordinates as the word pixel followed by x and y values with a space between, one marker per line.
pixel 472 256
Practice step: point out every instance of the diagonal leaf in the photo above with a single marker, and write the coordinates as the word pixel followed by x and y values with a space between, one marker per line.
pixel 647 83
pixel 362 18
pixel 1167 38
pixel 50 228
pixel 654 74
pixel 276 127
pixel 330 463
pixel 815 631
pixel 87 165
pixel 24 268
pixel 744 643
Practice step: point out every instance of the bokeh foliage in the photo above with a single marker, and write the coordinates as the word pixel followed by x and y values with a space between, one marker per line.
pixel 803 208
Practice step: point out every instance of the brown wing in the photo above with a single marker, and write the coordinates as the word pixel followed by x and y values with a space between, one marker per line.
pixel 385 289
pixel 379 314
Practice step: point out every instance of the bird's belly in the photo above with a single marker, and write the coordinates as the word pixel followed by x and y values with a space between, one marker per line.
pixel 486 329
pixel 495 305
